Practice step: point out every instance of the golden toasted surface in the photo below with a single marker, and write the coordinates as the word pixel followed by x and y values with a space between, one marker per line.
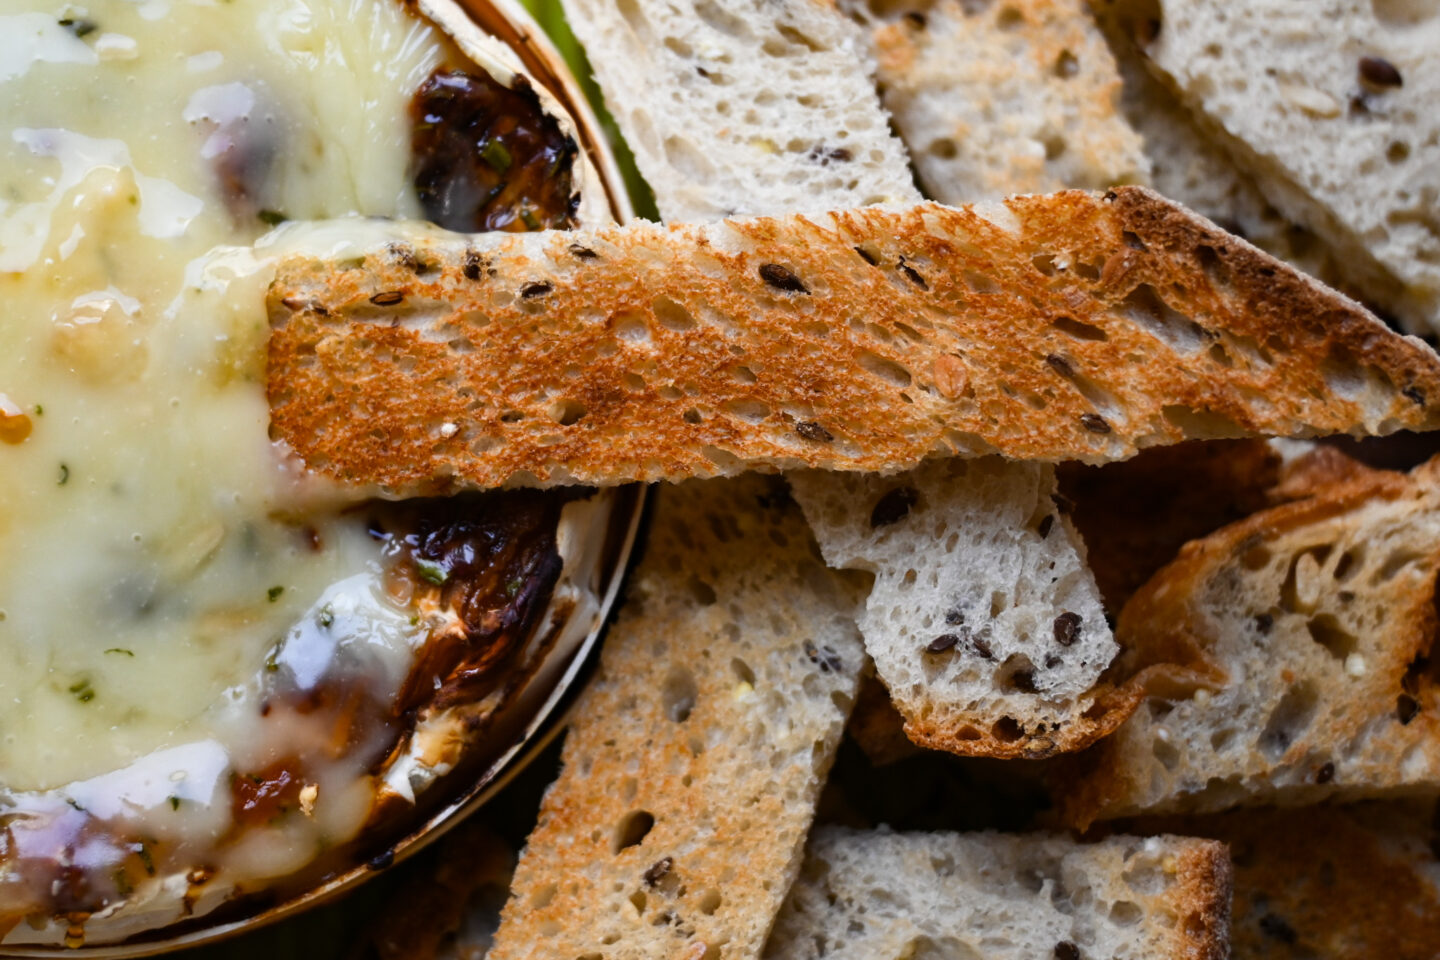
pixel 1317 618
pixel 1344 883
pixel 1066 326
pixel 695 757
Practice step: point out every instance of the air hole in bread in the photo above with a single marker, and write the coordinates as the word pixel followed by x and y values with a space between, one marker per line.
pixel 1346 566
pixel 1009 19
pixel 1289 721
pixel 1327 631
pixel 887 370
pixel 1126 913
pixel 1221 739
pixel 639 901
pixel 679 693
pixel 751 411
pixel 1054 147
pixel 633 828
pixel 1166 753
pixel 1006 730
pixel 944 148
pixel 671 315
pixel 710 901
pixel 1302 587
pixel 1396 562
pixel 630 327
pixel 1219 356
pixel 542 896
pixel 979 282
pixel 1079 330
pixel 1256 558
pixel 1045 263
pixel 567 411
pixel 1148 310
pixel 1404 13
pixel 1202 424
pixel 998 603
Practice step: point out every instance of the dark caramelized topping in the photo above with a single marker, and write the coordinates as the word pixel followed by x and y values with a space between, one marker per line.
pixel 491 561
pixel 265 796
pixel 487 157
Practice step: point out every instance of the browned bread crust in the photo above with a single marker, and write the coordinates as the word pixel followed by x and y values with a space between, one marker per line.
pixel 1065 326
pixel 1344 883
pixel 695 757
pixel 1318 619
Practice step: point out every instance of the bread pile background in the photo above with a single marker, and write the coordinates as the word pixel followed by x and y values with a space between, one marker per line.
pixel 1176 706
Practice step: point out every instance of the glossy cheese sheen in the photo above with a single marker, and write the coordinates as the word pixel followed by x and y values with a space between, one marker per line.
pixel 144 515
pixel 174 594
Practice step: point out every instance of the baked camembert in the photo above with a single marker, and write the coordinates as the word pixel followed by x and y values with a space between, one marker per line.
pixel 216 670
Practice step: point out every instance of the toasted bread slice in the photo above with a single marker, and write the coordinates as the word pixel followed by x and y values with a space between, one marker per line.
pixel 1063 326
pixel 1002 98
pixel 1338 129
pixel 1318 616
pixel 987 896
pixel 695 757
pixel 738 107
pixel 984 621
pixel 1344 883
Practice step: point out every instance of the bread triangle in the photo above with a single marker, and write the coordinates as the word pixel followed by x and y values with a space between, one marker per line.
pixel 1049 327
pixel 1002 98
pixel 1316 618
pixel 1332 114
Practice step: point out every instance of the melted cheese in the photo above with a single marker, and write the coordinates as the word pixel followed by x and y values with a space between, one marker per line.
pixel 163 569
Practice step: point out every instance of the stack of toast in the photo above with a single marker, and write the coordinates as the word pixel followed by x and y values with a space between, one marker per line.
pixel 1035 476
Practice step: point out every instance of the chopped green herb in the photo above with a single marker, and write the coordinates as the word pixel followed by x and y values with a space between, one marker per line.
pixel 529 219
pixel 82 691
pixel 64 475
pixel 431 572
pixel 123 886
pixel 496 156
pixel 39 410
pixel 414 620
pixel 128 653
pixel 512 588
pixel 272 218
pixel 174 803
pixel 74 804
pixel 274 593
pixel 272 662
pixel 143 852
pixel 327 616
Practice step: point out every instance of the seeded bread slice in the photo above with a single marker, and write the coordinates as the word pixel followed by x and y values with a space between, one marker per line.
pixel 1187 166
pixel 1329 105
pixel 1343 883
pixel 881 895
pixel 984 621
pixel 743 106
pixel 1318 616
pixel 696 755
pixel 1002 98
pixel 1049 327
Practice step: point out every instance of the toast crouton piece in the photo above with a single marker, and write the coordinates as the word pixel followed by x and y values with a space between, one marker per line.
pixel 696 755
pixel 983 622
pixel 1341 882
pixel 1338 128
pixel 1319 616
pixel 1186 166
pixel 1002 98
pixel 738 107
pixel 880 895
pixel 1061 326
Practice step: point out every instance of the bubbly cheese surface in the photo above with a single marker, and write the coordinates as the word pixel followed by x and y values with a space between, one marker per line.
pixel 177 599
pixel 150 551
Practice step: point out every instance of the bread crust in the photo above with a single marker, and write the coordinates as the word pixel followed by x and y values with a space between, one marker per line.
pixel 1281 651
pixel 1065 326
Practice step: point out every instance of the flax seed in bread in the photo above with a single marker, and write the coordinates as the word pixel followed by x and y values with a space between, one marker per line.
pixel 877 895
pixel 1319 615
pixel 695 757
pixel 1048 327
